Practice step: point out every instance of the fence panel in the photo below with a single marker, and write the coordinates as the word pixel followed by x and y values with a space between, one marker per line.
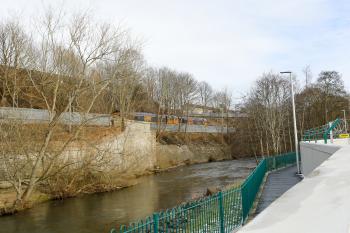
pixel 34 116
pixel 140 227
pixel 233 216
pixel 198 216
pixel 193 128
pixel 251 186
pixel 280 161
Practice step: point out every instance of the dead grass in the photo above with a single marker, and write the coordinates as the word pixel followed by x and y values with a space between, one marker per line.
pixel 35 133
pixel 8 197
pixel 87 133
pixel 172 138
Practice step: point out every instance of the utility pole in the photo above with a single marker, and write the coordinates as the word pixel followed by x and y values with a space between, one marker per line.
pixel 294 121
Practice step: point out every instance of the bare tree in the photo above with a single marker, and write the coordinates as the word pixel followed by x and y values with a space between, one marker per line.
pixel 188 91
pixel 205 94
pixel 308 75
pixel 63 70
pixel 331 84
pixel 13 55
pixel 222 100
pixel 125 75
pixel 267 107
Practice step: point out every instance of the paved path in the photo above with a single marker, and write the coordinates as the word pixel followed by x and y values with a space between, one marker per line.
pixel 277 183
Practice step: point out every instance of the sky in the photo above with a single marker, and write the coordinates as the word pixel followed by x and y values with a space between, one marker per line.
pixel 228 43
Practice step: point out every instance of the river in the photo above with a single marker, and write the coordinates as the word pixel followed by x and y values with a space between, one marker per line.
pixel 100 212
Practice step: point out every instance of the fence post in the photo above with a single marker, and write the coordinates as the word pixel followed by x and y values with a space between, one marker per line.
pixel 244 195
pixel 221 213
pixel 330 132
pixel 155 222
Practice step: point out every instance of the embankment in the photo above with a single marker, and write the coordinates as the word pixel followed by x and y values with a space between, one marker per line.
pixel 136 152
pixel 120 159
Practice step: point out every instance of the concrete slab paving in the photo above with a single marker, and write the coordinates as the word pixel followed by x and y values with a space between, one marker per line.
pixel 277 183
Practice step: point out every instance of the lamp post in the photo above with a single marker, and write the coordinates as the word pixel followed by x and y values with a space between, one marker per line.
pixel 345 123
pixel 294 120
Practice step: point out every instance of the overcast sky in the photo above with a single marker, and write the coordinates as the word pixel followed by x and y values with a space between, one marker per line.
pixel 228 43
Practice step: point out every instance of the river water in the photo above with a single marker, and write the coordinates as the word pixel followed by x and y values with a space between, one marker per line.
pixel 100 212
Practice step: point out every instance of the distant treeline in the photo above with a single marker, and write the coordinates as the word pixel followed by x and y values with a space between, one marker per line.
pixel 268 129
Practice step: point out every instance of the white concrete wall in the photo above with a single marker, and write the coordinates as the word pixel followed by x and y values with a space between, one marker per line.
pixel 314 154
pixel 133 151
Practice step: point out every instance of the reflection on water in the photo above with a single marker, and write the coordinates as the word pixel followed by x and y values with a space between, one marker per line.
pixel 100 212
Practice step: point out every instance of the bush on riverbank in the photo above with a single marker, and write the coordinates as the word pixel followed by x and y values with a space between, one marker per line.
pixel 61 188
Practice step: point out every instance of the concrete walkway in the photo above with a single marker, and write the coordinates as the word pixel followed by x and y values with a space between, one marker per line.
pixel 277 183
pixel 320 203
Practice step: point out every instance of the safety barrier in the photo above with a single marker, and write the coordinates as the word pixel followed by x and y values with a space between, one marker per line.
pixel 32 116
pixel 328 131
pixel 221 212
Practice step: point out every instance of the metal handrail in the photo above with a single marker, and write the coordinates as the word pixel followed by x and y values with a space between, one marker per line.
pixel 324 132
pixel 330 129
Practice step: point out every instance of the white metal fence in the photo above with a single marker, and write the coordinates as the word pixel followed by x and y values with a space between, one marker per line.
pixel 193 128
pixel 29 115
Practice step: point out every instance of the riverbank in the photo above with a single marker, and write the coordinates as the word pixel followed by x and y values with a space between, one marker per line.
pixel 129 155
pixel 8 195
pixel 103 211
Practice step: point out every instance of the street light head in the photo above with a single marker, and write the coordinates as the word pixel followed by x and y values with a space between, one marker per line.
pixel 286 72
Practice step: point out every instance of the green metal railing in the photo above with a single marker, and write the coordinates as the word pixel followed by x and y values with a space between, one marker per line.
pixel 324 132
pixel 315 134
pixel 280 161
pixel 250 187
pixel 221 212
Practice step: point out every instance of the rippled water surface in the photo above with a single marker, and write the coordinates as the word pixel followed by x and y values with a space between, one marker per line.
pixel 100 212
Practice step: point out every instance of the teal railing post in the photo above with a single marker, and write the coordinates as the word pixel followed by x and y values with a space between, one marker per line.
pixel 221 213
pixel 332 125
pixel 325 134
pixel 155 222
pixel 243 203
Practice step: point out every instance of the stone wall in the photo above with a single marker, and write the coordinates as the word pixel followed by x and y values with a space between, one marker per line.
pixel 136 151
pixel 133 151
pixel 174 155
